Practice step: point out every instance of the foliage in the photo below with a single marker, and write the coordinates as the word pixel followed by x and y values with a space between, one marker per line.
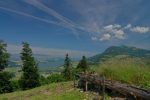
pixel 5 77
pixel 30 77
pixel 67 68
pixel 52 78
pixel 5 84
pixel 15 85
pixel 83 66
pixel 4 56
pixel 43 80
pixel 55 78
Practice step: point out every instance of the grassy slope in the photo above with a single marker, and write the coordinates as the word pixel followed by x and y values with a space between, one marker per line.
pixel 128 70
pixel 55 91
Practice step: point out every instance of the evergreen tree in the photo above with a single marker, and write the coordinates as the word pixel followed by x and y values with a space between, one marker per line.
pixel 4 56
pixel 30 77
pixel 5 77
pixel 67 68
pixel 83 66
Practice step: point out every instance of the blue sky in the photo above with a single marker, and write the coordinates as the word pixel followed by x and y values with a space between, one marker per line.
pixel 88 26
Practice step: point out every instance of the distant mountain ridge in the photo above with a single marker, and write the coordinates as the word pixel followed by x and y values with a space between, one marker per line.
pixel 121 51
pixel 44 61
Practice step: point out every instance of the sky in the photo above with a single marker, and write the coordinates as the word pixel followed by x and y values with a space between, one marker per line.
pixel 80 27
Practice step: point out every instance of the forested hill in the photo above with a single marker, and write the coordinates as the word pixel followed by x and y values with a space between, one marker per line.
pixel 120 51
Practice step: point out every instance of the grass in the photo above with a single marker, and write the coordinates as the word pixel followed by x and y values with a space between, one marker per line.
pixel 59 91
pixel 127 70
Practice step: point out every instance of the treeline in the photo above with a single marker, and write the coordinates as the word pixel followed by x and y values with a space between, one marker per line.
pixel 30 77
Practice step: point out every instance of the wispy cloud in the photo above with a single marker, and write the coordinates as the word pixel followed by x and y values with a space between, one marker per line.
pixel 31 16
pixel 63 20
pixel 37 4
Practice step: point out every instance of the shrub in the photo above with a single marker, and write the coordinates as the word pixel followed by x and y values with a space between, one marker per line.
pixel 15 85
pixel 54 78
pixel 5 84
pixel 43 80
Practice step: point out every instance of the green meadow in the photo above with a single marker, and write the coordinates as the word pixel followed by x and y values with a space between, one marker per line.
pixel 54 91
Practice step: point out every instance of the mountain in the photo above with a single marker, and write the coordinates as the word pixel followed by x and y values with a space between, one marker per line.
pixel 120 51
pixel 44 61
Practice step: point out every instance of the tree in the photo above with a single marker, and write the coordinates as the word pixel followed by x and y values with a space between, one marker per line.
pixel 67 68
pixel 83 66
pixel 5 84
pixel 30 76
pixel 4 56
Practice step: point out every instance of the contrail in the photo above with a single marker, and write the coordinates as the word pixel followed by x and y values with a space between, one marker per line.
pixel 31 16
pixel 49 11
pixel 66 21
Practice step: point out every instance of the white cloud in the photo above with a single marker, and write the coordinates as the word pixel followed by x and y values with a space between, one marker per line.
pixel 108 27
pixel 105 37
pixel 94 38
pixel 128 26
pixel 116 26
pixel 115 30
pixel 112 27
pixel 119 34
pixel 139 29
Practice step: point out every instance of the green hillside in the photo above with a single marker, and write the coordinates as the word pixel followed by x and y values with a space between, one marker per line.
pixel 135 71
pixel 120 51
pixel 125 64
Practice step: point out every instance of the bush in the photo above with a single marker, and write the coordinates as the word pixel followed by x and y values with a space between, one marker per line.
pixel 15 85
pixel 43 80
pixel 55 78
pixel 5 84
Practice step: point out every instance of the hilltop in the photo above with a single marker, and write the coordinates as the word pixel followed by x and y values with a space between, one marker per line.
pixel 119 52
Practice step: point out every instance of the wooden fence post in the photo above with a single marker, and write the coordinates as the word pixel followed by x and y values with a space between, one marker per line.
pixel 103 87
pixel 86 85
pixel 74 81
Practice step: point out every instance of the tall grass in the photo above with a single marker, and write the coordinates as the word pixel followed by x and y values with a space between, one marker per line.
pixel 128 70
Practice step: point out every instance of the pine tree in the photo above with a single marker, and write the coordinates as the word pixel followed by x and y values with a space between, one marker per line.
pixel 83 66
pixel 5 77
pixel 30 76
pixel 67 68
pixel 4 56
